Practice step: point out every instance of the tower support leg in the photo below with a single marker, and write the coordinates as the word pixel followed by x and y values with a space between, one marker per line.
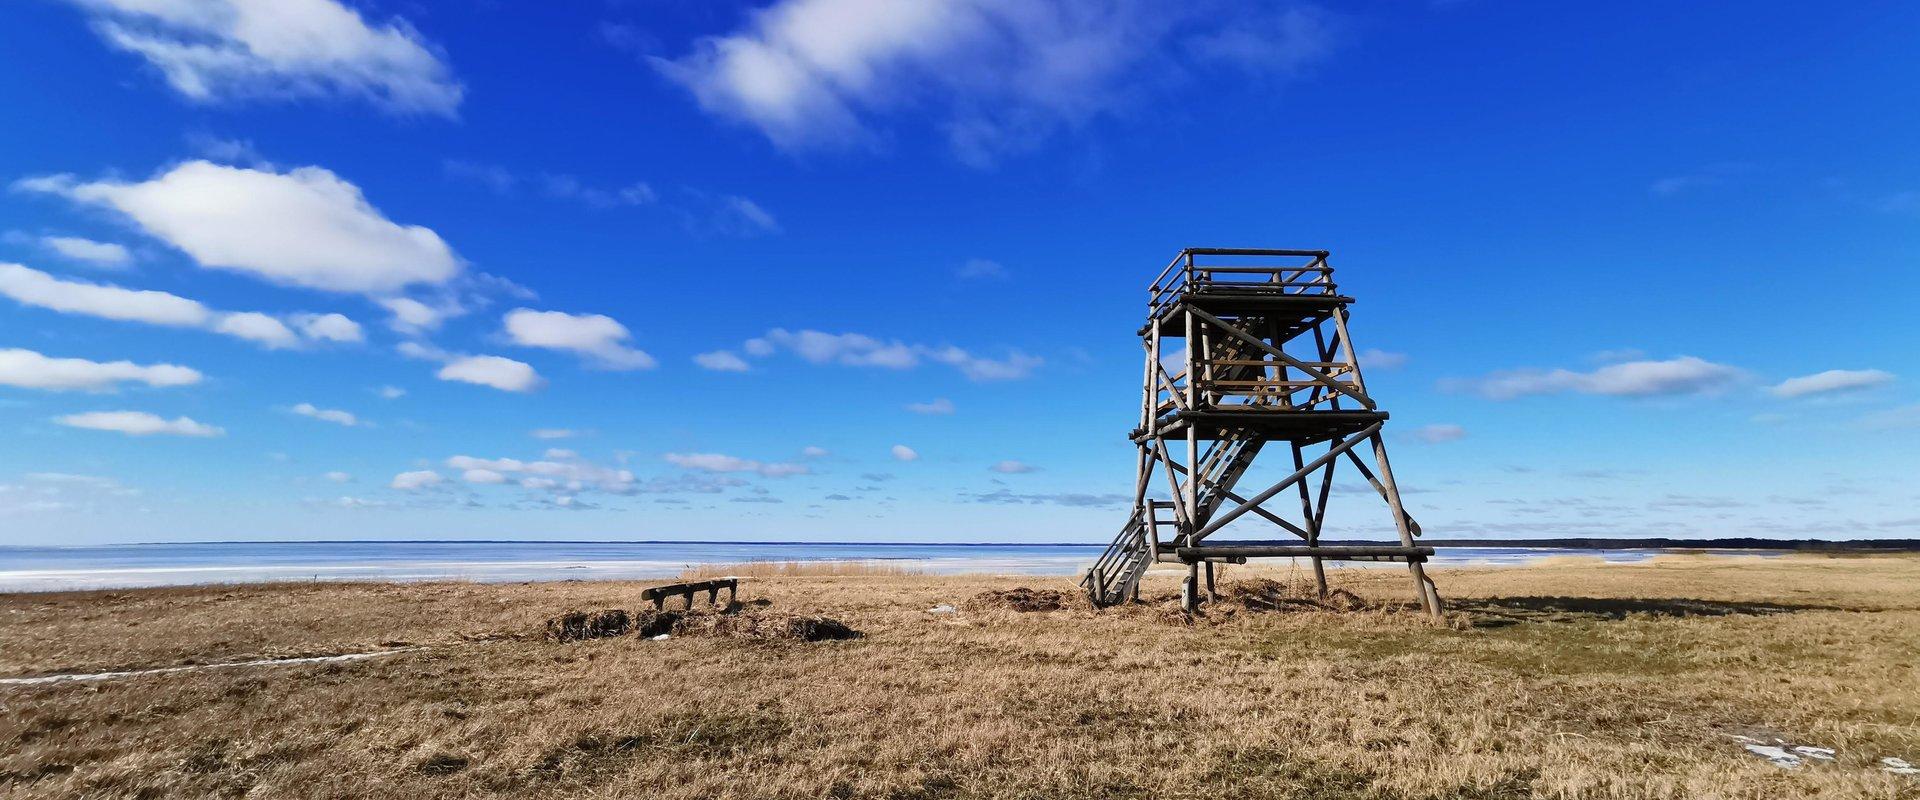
pixel 1190 589
pixel 1211 594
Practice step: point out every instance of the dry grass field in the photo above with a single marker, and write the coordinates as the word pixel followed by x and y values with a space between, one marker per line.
pixel 1568 679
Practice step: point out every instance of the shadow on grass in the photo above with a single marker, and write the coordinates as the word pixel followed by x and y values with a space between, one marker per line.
pixel 1502 611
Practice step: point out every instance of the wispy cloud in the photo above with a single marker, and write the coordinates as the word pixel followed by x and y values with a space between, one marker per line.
pixel 1831 382
pixel 861 350
pixel 227 50
pixel 1676 376
pixel 139 423
pixel 1000 76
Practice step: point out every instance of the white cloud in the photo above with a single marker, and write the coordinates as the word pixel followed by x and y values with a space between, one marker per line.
pixel 601 338
pixel 329 328
pixel 257 328
pixel 504 374
pixel 333 415
pixel 306 227
pixel 99 254
pixel 902 452
pixel 413 317
pixel 937 406
pixel 225 50
pixel 484 476
pixel 1011 467
pixel 1015 366
pixel 976 268
pixel 813 451
pixel 715 462
pixel 338 477
pixel 721 361
pixel 998 75
pixel 1675 376
pixel 1437 434
pixel 391 392
pixel 138 423
pixel 1831 382
pixel 416 480
pixel 30 370
pixel 36 288
pixel 860 350
pixel 1381 359
pixel 561 471
pixel 554 433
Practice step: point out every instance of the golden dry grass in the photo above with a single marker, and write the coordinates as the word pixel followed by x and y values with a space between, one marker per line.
pixel 1564 680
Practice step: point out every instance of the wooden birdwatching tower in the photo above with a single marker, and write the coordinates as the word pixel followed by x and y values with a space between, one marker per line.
pixel 1247 352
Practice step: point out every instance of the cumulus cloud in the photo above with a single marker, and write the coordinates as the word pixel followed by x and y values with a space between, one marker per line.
pixel 721 361
pixel 938 405
pixel 1833 381
pixel 227 50
pixel 306 227
pixel 30 370
pixel 560 473
pixel 500 373
pixel 554 433
pixel 1011 467
pixel 390 392
pixel 1676 376
pixel 257 328
pixel 88 251
pixel 902 452
pixel 105 301
pixel 716 462
pixel 338 477
pixel 329 328
pixel 333 415
pixel 1000 75
pixel 813 451
pixel 600 338
pixel 35 288
pixel 1437 434
pixel 861 350
pixel 138 423
pixel 416 480
pixel 483 476
pixel 413 317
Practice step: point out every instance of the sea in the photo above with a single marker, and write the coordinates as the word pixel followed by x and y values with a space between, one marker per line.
pixel 37 569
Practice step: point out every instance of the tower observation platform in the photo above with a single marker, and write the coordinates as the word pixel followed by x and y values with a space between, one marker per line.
pixel 1247 352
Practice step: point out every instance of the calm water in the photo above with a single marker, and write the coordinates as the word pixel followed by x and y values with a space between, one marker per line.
pixel 126 566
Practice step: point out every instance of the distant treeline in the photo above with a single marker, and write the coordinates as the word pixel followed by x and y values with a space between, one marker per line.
pixel 1739 543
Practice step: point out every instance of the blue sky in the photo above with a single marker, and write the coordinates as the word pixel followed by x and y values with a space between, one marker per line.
pixel 834 269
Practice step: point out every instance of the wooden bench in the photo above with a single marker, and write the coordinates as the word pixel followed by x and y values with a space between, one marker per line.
pixel 659 594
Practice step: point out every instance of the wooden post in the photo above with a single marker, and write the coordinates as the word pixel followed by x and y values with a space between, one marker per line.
pixel 1428 602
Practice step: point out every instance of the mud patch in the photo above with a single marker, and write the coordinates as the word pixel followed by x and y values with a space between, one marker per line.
pixel 1022 599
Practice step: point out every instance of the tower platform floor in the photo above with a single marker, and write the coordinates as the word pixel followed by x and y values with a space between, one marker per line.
pixel 1304 427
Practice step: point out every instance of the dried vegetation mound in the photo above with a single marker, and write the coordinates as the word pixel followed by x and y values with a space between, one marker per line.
pixel 731 623
pixel 767 627
pixel 575 626
pixel 1270 595
pixel 1021 599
